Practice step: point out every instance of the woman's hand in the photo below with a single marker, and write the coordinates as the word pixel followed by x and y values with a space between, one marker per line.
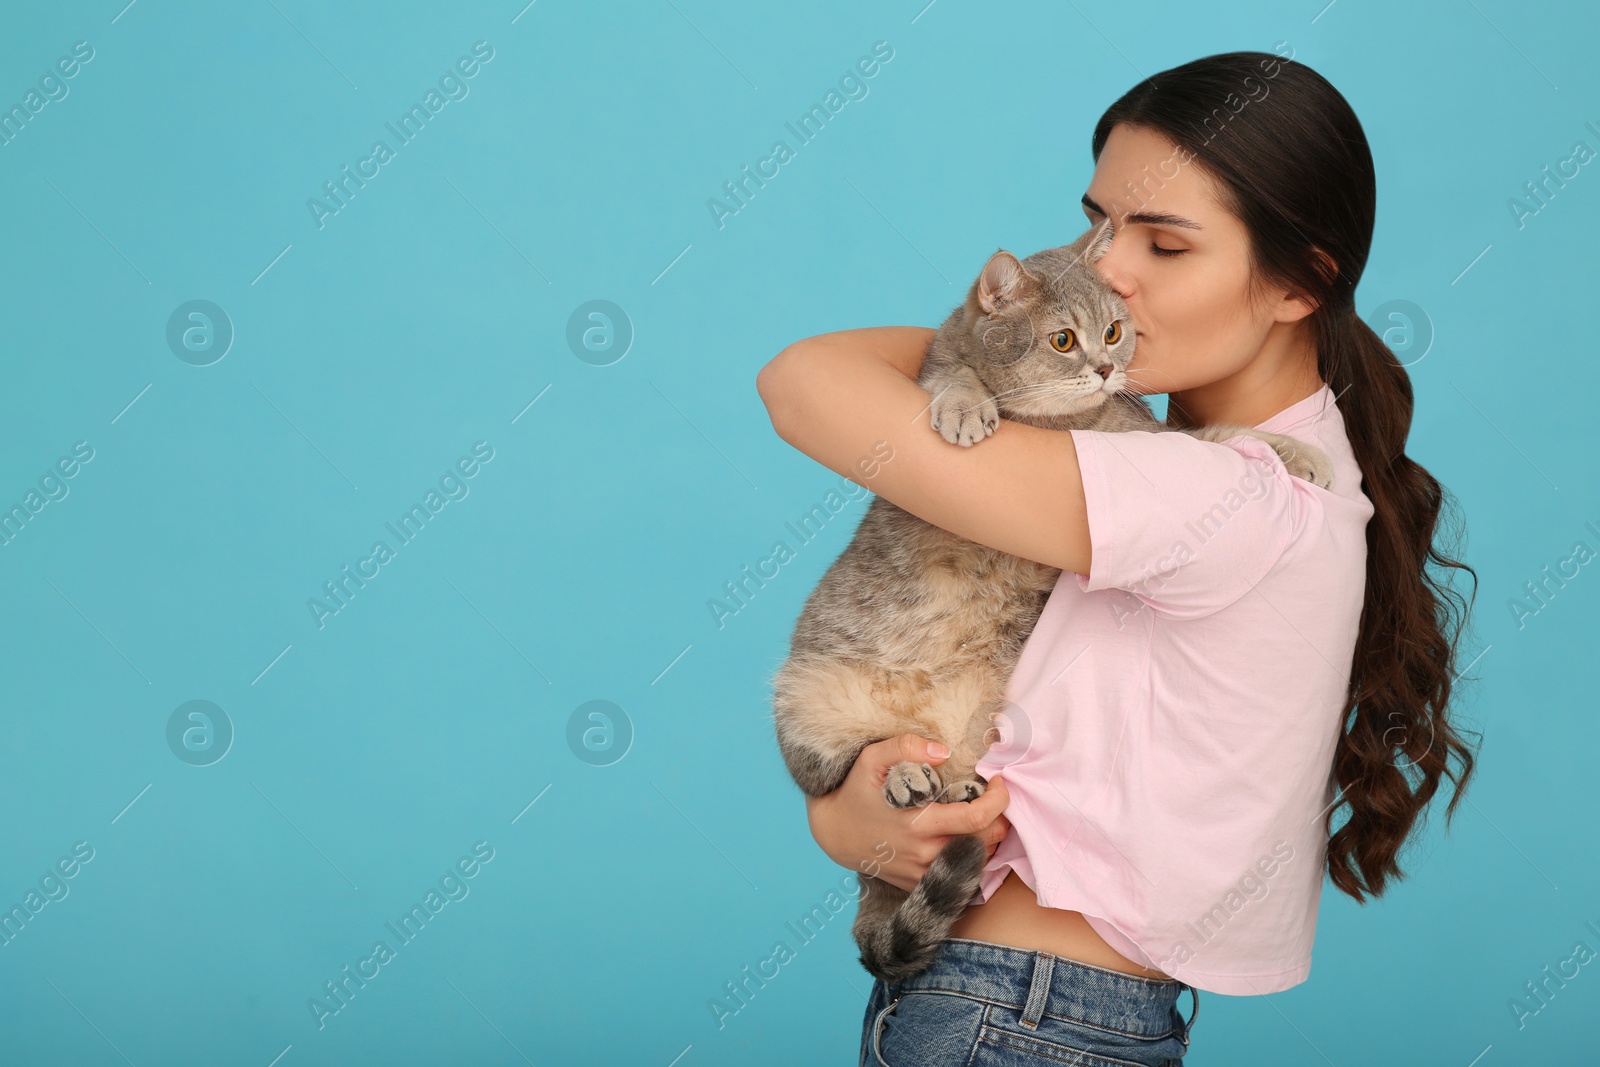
pixel 858 829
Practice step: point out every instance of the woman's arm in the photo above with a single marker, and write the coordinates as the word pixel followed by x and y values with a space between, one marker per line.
pixel 837 395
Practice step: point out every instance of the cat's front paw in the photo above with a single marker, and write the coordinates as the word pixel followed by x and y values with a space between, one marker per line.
pixel 910 785
pixel 971 789
pixel 963 415
pixel 1306 461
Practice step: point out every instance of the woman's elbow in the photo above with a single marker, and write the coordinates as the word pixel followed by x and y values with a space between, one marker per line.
pixel 772 383
pixel 767 380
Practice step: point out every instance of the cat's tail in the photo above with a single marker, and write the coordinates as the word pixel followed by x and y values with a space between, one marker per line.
pixel 905 943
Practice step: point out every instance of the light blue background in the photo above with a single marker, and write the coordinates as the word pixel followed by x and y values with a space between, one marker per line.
pixel 429 314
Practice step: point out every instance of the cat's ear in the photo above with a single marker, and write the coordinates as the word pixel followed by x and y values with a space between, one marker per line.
pixel 1099 242
pixel 1003 283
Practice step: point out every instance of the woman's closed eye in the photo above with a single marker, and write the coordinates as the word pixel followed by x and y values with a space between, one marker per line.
pixel 1155 249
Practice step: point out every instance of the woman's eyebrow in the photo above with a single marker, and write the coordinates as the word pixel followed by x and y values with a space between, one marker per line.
pixel 1149 218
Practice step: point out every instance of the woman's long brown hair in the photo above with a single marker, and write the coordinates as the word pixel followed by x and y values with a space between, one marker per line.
pixel 1292 163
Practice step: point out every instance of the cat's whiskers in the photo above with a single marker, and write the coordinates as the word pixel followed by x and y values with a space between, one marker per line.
pixel 1056 389
pixel 1030 388
pixel 1052 390
pixel 1053 386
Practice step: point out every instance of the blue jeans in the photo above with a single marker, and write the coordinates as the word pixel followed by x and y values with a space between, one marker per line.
pixel 986 1005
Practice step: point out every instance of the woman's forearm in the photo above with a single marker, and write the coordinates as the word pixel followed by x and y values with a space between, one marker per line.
pixel 902 347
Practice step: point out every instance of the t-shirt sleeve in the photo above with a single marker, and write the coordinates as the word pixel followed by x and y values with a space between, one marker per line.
pixel 1185 525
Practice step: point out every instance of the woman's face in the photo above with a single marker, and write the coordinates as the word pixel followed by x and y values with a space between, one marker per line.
pixel 1181 262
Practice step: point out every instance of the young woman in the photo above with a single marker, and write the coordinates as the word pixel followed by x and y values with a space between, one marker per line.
pixel 1226 645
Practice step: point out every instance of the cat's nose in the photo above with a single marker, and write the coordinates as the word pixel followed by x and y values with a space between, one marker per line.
pixel 1105 369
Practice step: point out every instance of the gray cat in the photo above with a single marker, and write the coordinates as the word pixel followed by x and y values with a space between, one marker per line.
pixel 914 629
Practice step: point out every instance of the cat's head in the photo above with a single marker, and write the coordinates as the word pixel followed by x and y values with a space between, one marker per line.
pixel 1046 334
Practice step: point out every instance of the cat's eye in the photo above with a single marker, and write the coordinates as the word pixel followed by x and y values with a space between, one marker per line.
pixel 1113 333
pixel 1062 340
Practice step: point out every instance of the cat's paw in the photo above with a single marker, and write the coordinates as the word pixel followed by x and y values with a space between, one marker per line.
pixel 971 789
pixel 910 785
pixel 1306 461
pixel 1299 458
pixel 963 415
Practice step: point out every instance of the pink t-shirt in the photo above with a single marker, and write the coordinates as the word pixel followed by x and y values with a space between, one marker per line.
pixel 1168 742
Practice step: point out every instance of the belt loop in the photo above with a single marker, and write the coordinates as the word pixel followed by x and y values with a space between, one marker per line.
pixel 1038 989
pixel 1193 1015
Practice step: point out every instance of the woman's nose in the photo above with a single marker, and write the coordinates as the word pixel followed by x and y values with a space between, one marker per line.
pixel 1110 268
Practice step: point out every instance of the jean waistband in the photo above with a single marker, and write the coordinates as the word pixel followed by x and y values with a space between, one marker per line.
pixel 1040 983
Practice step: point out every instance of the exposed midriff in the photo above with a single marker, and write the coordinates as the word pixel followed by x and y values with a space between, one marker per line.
pixel 1013 916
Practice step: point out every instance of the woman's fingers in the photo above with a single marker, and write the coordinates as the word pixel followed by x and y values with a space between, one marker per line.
pixel 881 755
pixel 968 816
pixel 995 834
